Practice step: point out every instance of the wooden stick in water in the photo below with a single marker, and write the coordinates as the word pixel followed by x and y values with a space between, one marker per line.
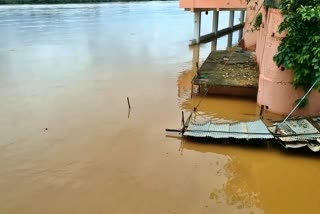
pixel 182 119
pixel 128 103
pixel 173 130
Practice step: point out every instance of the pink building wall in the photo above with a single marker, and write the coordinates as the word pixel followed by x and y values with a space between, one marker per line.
pixel 250 37
pixel 275 85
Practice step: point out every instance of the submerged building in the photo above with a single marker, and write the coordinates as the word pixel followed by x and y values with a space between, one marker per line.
pixel 275 88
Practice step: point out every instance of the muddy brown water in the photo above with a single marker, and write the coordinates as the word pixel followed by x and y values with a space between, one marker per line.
pixel 68 144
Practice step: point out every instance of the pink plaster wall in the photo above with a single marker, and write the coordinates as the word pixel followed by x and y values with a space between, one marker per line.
pixel 275 86
pixel 212 4
pixel 250 37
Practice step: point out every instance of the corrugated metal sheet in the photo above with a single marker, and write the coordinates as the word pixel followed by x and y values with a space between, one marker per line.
pixel 243 130
pixel 294 133
pixel 303 133
pixel 295 145
pixel 316 120
pixel 301 127
pixel 313 146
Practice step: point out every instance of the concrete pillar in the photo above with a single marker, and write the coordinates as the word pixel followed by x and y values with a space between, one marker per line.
pixel 214 44
pixel 231 18
pixel 242 15
pixel 195 57
pixel 215 26
pixel 215 21
pixel 197 26
pixel 231 22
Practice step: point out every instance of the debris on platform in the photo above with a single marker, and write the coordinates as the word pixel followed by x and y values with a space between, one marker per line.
pixel 233 72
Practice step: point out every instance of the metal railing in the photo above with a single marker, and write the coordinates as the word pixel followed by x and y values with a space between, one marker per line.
pixel 297 105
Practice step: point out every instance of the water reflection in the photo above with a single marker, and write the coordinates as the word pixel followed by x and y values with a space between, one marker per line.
pixel 185 78
pixel 257 176
pixel 237 191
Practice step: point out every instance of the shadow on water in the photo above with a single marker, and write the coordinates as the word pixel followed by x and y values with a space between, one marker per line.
pixel 265 146
pixel 209 145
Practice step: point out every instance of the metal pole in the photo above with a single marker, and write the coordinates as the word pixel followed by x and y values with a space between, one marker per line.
pixel 306 94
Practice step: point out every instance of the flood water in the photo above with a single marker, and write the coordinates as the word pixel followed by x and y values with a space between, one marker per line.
pixel 69 145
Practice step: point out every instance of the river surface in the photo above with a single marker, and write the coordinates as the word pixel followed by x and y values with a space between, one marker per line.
pixel 69 145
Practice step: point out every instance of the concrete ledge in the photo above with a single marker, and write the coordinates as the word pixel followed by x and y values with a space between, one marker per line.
pixel 228 73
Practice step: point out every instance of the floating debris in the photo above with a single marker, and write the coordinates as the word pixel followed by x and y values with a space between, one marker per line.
pixel 242 130
pixel 297 133
pixel 293 133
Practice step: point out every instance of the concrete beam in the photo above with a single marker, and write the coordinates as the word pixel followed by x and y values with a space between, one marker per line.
pixel 223 32
pixel 213 4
